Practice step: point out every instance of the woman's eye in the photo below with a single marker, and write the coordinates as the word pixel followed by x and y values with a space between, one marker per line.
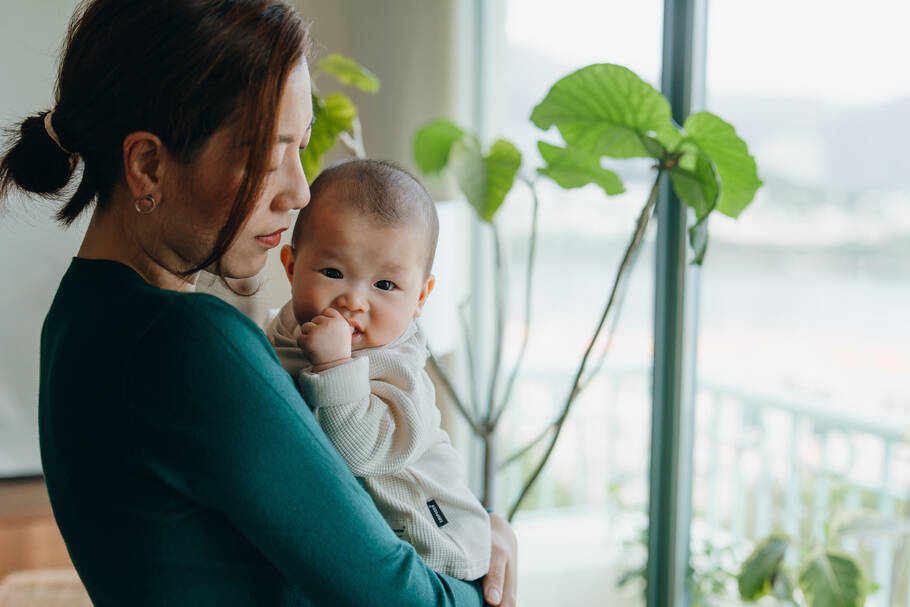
pixel 330 273
pixel 385 285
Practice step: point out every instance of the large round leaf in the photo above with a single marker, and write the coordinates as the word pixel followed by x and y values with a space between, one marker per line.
pixel 347 71
pixel 485 179
pixel 758 573
pixel 736 169
pixel 433 143
pixel 574 168
pixel 831 579
pixel 332 116
pixel 605 109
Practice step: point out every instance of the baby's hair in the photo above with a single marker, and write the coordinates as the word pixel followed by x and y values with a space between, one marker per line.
pixel 380 190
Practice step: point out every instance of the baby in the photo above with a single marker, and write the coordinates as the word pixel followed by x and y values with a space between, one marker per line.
pixel 359 265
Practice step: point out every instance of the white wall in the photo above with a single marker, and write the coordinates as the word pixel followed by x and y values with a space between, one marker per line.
pixel 34 252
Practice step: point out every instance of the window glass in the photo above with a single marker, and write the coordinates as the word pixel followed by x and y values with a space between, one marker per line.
pixel 803 399
pixel 591 498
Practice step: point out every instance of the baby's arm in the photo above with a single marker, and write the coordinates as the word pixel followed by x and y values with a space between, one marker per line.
pixel 379 424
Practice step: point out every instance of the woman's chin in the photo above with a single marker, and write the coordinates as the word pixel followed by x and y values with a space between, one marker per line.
pixel 239 269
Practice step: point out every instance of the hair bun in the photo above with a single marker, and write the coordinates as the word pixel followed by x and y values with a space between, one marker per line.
pixel 34 161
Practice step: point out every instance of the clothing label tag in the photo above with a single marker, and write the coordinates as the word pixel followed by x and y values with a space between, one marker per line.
pixel 437 514
pixel 400 528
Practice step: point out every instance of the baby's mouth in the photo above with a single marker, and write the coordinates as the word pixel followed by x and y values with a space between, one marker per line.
pixel 357 333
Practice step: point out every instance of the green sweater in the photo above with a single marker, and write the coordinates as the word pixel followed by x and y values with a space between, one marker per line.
pixel 184 468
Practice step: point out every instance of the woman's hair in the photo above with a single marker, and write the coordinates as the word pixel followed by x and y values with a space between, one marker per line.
pixel 180 69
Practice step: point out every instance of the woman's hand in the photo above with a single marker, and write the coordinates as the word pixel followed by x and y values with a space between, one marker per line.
pixel 500 585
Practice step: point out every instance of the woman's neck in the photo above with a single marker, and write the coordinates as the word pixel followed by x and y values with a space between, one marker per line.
pixel 112 235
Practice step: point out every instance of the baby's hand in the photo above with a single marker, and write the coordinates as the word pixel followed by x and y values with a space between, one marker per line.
pixel 326 340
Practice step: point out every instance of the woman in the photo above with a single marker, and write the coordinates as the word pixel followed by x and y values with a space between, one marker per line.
pixel 182 466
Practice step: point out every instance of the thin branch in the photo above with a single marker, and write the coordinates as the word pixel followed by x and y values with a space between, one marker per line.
pixel 447 384
pixel 611 332
pixel 634 243
pixel 532 246
pixel 354 140
pixel 531 444
pixel 469 352
pixel 499 332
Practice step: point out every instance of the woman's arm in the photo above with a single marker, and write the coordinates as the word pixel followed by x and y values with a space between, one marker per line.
pixel 233 434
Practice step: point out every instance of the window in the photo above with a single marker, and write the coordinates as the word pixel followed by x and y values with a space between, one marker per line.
pixel 803 398
pixel 593 493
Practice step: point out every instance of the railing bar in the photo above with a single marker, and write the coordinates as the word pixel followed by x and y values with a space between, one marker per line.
pixel 884 547
pixel 763 503
pixel 791 518
pixel 714 468
pixel 737 520
pixel 822 491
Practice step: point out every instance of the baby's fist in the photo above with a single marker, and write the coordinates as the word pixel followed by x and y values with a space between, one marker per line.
pixel 326 340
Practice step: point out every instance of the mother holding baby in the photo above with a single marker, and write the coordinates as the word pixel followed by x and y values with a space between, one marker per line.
pixel 182 464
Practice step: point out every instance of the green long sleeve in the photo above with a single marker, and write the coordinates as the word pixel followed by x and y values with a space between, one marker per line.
pixel 184 468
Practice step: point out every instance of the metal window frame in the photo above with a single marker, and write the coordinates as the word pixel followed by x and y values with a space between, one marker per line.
pixel 675 328
pixel 675 314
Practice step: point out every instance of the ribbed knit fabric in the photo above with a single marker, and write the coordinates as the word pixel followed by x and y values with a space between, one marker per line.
pixel 379 410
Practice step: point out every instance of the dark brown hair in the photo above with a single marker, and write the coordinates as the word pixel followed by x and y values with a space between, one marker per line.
pixel 180 69
pixel 380 190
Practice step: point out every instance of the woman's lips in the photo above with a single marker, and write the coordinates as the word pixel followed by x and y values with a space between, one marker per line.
pixel 271 240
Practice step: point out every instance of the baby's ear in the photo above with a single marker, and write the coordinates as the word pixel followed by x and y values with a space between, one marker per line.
pixel 287 260
pixel 424 293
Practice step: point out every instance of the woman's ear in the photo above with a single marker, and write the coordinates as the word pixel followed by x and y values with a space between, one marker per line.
pixel 287 260
pixel 424 293
pixel 144 160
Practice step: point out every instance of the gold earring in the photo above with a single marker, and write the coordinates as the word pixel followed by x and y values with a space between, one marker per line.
pixel 146 204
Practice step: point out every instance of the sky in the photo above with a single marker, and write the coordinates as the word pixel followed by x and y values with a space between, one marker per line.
pixel 844 52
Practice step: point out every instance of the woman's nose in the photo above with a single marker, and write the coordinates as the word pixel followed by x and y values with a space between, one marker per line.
pixel 296 192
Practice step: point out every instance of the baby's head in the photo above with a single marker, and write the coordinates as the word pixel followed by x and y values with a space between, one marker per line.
pixel 364 246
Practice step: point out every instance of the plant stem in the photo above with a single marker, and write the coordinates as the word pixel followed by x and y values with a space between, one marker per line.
pixel 499 290
pixel 637 238
pixel 489 470
pixel 611 332
pixel 531 444
pixel 447 384
pixel 532 246
pixel 469 352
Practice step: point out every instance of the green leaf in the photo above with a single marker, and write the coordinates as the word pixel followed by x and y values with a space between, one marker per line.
pixel 433 143
pixel 349 72
pixel 736 169
pixel 485 179
pixel 333 115
pixel 605 109
pixel 698 187
pixel 669 137
pixel 756 578
pixel 782 586
pixel 831 579
pixel 574 168
pixel 698 239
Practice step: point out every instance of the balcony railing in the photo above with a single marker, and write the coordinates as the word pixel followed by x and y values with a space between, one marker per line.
pixel 762 463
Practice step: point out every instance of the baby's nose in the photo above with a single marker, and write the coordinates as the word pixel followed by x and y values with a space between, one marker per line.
pixel 352 301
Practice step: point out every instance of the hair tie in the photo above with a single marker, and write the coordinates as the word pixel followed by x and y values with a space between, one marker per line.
pixel 49 127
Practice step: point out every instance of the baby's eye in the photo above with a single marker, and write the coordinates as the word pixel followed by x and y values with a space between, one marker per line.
pixel 385 285
pixel 331 273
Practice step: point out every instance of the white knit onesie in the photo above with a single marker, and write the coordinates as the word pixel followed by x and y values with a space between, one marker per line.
pixel 379 410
